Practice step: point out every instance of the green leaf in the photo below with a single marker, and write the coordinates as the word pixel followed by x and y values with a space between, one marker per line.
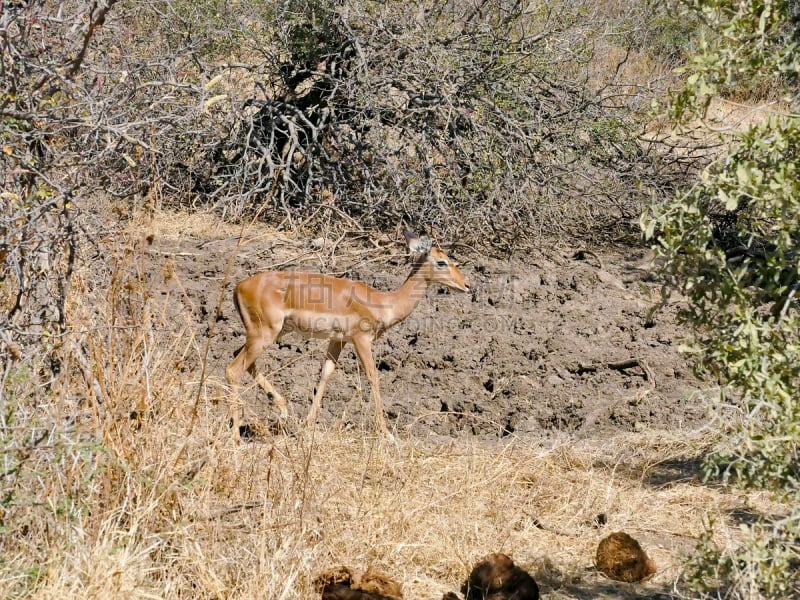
pixel 743 174
pixel 730 202
pixel 649 229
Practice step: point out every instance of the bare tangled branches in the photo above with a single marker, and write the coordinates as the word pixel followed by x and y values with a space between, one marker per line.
pixel 478 119
pixel 38 219
pixel 76 131
pixel 464 117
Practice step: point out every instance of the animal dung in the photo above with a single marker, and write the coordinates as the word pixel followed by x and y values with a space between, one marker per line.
pixel 343 583
pixel 620 557
pixel 496 577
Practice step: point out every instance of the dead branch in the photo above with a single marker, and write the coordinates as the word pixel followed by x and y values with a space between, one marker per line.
pixel 624 365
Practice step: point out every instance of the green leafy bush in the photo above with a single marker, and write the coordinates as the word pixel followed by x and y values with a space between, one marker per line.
pixel 731 245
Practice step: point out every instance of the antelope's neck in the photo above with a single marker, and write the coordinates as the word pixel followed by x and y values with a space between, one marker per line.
pixel 404 299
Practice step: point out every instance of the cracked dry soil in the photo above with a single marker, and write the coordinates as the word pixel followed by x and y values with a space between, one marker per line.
pixel 557 341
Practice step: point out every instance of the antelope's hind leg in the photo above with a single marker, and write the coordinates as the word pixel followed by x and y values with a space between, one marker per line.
pixel 245 360
pixel 328 367
pixel 272 393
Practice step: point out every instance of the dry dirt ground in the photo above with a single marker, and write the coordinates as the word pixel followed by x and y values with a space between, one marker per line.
pixel 560 340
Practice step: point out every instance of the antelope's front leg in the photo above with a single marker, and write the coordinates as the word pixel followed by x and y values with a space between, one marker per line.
pixel 364 350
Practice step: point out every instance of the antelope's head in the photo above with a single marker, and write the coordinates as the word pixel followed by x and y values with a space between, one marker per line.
pixel 438 267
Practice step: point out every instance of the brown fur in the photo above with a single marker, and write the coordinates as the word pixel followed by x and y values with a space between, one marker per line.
pixel 341 311
pixel 497 578
pixel 341 591
pixel 333 576
pixel 620 557
pixel 342 583
pixel 375 582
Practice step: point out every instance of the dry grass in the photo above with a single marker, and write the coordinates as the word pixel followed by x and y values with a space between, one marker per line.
pixel 119 481
pixel 190 517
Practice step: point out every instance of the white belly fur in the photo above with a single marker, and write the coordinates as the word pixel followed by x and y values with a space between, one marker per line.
pixel 321 326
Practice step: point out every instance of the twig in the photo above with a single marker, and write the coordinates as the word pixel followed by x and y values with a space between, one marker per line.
pixel 86 371
pixel 539 525
pixel 582 254
pixel 94 23
pixel 236 508
pixel 622 365
pixel 25 451
pixel 788 302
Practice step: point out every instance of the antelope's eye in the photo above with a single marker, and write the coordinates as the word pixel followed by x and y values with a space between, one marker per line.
pixel 441 264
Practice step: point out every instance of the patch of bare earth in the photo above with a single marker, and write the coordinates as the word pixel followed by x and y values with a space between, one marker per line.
pixel 560 341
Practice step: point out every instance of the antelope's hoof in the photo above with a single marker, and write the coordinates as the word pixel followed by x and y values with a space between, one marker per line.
pixel 247 432
pixel 281 427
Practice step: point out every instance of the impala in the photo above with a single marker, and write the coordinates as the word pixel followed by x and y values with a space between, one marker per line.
pixel 274 303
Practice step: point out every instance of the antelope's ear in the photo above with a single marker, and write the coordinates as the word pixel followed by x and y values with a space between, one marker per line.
pixel 417 245
pixel 411 237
